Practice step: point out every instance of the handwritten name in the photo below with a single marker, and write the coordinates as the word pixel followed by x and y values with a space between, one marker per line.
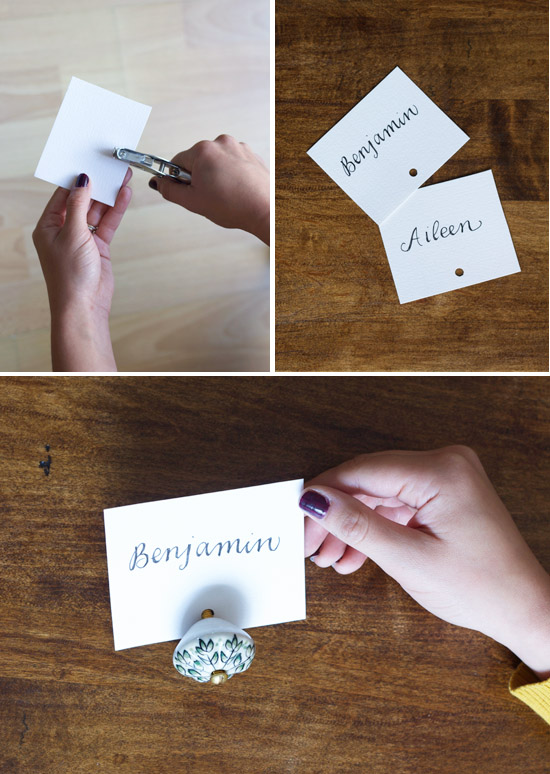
pixel 142 556
pixel 437 232
pixel 350 165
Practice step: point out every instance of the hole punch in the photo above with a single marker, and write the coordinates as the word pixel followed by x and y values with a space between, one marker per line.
pixel 413 172
pixel 459 272
pixel 147 161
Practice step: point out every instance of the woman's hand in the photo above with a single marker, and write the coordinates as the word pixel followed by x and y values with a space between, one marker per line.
pixel 77 269
pixel 433 521
pixel 229 185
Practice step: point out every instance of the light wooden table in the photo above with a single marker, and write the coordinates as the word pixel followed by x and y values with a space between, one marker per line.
pixel 485 65
pixel 188 295
pixel 370 682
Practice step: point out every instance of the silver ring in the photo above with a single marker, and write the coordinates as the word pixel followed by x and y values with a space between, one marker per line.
pixel 93 229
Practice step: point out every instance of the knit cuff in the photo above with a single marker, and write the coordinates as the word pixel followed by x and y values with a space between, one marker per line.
pixel 525 685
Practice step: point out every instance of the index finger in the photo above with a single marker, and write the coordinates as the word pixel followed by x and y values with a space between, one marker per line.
pixel 186 158
pixel 98 209
pixel 314 534
pixel 111 219
pixel 409 476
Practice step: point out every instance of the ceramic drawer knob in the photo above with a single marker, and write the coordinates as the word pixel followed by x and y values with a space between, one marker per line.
pixel 213 650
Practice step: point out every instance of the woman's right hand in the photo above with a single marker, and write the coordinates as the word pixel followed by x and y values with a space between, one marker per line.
pixel 433 521
pixel 229 185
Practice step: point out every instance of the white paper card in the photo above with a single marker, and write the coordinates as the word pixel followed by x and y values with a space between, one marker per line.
pixel 370 152
pixel 238 552
pixel 91 122
pixel 456 225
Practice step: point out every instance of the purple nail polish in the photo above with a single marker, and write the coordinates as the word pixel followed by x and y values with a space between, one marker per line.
pixel 82 180
pixel 314 503
pixel 153 184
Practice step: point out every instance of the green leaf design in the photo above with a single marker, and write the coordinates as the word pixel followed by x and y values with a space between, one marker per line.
pixel 187 656
pixel 194 672
pixel 201 645
pixel 234 641
pixel 240 668
pixel 210 646
pixel 248 650
pixel 215 659
pixel 228 644
pixel 238 659
pixel 198 663
pixel 180 669
pixel 223 657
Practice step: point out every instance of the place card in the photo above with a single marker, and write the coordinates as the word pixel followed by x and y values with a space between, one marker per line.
pixel 448 236
pixel 386 146
pixel 238 552
pixel 90 123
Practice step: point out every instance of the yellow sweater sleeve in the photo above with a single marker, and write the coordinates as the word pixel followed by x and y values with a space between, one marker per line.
pixel 536 694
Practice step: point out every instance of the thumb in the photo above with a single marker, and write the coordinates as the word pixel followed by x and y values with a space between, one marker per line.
pixel 78 203
pixel 389 544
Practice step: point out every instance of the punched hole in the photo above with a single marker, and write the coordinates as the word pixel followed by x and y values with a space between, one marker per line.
pixel 459 272
pixel 413 172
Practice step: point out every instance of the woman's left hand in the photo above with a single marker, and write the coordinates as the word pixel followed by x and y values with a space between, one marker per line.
pixel 77 268
pixel 76 262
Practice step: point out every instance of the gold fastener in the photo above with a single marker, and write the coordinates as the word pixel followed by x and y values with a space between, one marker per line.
pixel 218 677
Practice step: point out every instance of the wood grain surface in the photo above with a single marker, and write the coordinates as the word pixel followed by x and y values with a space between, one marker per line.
pixel 370 682
pixel 485 65
pixel 189 295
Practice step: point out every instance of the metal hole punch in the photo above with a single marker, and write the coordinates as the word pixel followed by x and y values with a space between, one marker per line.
pixel 147 162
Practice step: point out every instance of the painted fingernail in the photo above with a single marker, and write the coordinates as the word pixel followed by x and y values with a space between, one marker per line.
pixel 153 184
pixel 314 503
pixel 82 181
pixel 313 558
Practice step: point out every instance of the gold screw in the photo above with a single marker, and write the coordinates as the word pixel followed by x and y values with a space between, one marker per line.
pixel 218 677
pixel 207 613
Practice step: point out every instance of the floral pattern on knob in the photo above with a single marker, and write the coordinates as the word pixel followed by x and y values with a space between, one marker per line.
pixel 199 658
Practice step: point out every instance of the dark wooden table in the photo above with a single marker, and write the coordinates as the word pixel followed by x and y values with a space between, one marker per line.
pixel 370 682
pixel 485 65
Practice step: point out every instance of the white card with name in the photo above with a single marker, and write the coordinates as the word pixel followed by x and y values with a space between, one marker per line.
pixel 448 236
pixel 238 552
pixel 393 131
pixel 90 123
